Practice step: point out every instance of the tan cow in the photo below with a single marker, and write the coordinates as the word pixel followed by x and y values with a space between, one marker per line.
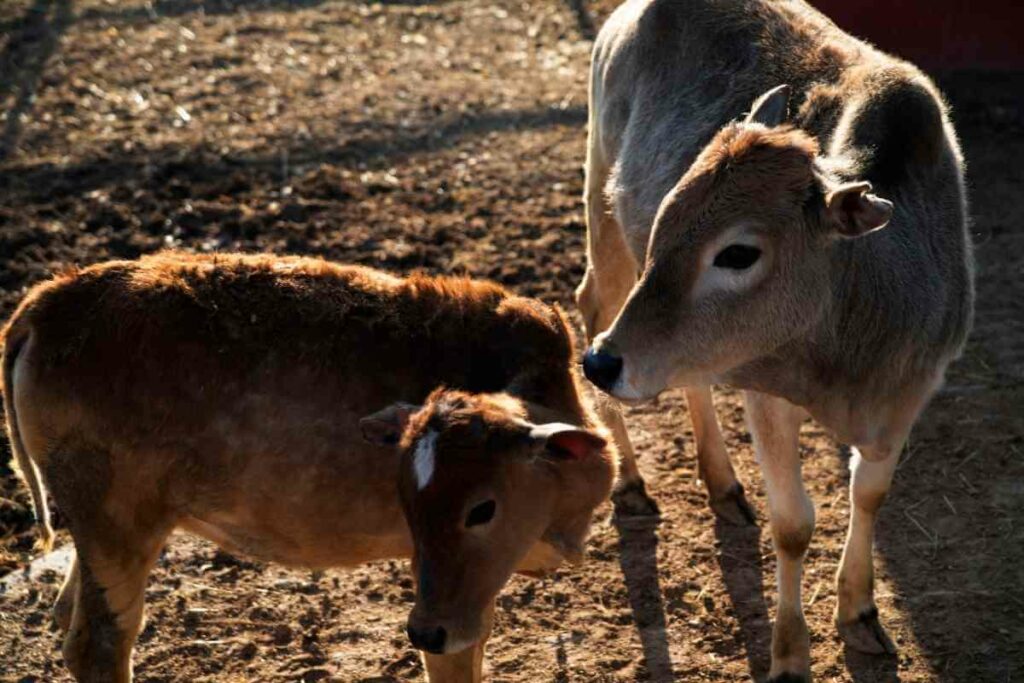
pixel 226 395
pixel 750 251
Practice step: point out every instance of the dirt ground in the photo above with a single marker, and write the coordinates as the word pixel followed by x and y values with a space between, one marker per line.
pixel 449 136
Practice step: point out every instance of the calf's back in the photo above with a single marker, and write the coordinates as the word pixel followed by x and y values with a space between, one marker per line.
pixel 226 391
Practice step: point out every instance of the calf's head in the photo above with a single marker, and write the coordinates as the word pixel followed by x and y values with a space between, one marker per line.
pixel 739 261
pixel 482 487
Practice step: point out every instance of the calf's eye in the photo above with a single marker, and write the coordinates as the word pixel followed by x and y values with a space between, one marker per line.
pixel 737 257
pixel 481 514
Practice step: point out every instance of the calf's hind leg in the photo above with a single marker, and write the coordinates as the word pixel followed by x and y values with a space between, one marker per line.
pixel 65 604
pixel 610 275
pixel 108 609
pixel 118 531
pixel 725 493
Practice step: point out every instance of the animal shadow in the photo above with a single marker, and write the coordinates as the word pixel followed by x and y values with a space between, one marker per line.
pixel 739 558
pixel 864 668
pixel 638 558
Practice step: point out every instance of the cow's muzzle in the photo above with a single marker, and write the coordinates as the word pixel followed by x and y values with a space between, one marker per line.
pixel 602 366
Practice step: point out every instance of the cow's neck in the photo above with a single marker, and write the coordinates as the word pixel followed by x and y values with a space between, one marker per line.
pixel 851 376
pixel 854 409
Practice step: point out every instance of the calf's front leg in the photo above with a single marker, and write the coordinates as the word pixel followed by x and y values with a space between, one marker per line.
pixel 856 614
pixel 461 667
pixel 775 426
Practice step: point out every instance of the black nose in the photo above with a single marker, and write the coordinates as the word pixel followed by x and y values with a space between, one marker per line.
pixel 602 368
pixel 429 639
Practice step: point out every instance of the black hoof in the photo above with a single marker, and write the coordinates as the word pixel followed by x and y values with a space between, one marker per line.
pixel 631 500
pixel 733 507
pixel 865 634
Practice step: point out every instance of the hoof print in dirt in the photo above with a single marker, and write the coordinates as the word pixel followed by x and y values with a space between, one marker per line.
pixel 866 634
pixel 631 500
pixel 734 508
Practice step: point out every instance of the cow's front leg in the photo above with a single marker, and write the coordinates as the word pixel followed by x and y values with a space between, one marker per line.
pixel 856 613
pixel 725 493
pixel 775 426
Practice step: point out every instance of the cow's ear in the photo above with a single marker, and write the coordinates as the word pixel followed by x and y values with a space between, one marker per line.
pixel 772 108
pixel 566 442
pixel 853 211
pixel 385 427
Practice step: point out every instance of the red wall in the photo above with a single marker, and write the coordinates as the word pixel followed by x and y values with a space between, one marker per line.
pixel 937 33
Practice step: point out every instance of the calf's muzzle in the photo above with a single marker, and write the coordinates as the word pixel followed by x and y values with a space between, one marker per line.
pixel 429 638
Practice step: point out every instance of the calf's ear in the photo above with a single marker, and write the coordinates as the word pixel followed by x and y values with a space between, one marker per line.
pixel 772 108
pixel 566 442
pixel 385 427
pixel 568 535
pixel 853 211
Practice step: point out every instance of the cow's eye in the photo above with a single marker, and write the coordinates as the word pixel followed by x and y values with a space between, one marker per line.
pixel 737 257
pixel 481 513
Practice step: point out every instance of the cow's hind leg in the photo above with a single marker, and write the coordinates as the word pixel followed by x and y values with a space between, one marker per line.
pixel 856 613
pixel 610 275
pixel 630 495
pixel 725 493
pixel 599 301
pixel 775 425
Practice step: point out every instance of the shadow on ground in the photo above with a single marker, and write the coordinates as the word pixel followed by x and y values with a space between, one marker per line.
pixel 638 557
pixel 34 182
pixel 32 41
pixel 154 11
pixel 739 558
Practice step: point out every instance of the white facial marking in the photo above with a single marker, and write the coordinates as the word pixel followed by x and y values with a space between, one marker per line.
pixel 456 645
pixel 423 460
pixel 548 429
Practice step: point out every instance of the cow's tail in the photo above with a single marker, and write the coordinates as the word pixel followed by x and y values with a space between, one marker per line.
pixel 14 338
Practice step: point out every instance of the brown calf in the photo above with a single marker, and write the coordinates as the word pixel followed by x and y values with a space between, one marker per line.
pixel 226 395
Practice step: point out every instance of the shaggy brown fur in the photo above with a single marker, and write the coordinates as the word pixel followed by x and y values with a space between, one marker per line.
pixel 223 394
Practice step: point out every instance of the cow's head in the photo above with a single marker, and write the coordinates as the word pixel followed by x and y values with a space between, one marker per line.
pixel 739 261
pixel 482 488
